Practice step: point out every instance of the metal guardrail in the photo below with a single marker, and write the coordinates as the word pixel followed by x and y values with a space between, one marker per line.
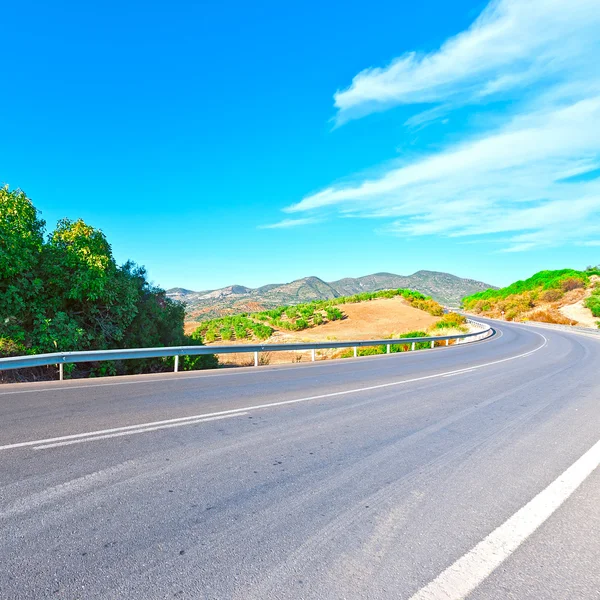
pixel 63 358
pixel 570 328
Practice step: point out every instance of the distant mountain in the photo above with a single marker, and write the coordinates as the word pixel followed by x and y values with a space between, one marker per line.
pixel 443 287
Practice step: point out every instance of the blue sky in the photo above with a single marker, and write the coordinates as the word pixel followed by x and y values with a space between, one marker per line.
pixel 250 143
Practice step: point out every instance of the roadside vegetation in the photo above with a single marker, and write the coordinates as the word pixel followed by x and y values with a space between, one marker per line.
pixel 593 302
pixel 63 291
pixel 540 297
pixel 449 324
pixel 261 325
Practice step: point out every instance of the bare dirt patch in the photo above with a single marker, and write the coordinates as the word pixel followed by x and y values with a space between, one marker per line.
pixel 579 313
pixel 573 307
pixel 371 320
pixel 376 319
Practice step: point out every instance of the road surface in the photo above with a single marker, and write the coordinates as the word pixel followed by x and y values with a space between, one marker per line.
pixel 447 473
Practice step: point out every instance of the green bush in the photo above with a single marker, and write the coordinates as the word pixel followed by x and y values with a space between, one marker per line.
pixel 226 333
pixel 406 347
pixel 451 321
pixel 65 292
pixel 334 314
pixel 364 351
pixel 593 303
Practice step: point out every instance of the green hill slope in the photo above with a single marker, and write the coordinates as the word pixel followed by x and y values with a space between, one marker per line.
pixel 539 297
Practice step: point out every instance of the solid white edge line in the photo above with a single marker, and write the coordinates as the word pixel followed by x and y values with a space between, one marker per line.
pixel 268 405
pixel 469 571
pixel 134 431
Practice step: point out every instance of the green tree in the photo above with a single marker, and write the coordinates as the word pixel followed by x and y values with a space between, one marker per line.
pixel 68 293
pixel 90 302
pixel 21 243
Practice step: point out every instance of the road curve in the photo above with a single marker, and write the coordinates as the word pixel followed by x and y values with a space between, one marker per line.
pixel 462 472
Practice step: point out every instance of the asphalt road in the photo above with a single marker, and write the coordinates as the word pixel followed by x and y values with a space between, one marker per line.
pixel 447 473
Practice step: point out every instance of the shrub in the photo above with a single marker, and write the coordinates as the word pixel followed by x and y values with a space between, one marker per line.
pixel 406 347
pixel 10 347
pixel 371 350
pixel 549 316
pixel 451 321
pixel 430 306
pixel 334 314
pixel 552 295
pixel 571 283
pixel 301 324
pixel 240 331
pixel 226 333
pixel 593 303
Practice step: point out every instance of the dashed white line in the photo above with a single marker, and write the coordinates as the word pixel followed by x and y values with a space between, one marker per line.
pixel 469 370
pixel 134 431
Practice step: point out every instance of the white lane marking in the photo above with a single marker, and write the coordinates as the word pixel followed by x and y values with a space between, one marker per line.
pixel 243 371
pixel 64 489
pixel 469 370
pixel 134 431
pixel 263 406
pixel 461 578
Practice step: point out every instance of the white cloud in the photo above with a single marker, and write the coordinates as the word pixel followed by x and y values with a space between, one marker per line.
pixel 512 181
pixel 286 223
pixel 513 44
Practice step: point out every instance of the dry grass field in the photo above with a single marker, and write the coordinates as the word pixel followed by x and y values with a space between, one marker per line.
pixel 375 319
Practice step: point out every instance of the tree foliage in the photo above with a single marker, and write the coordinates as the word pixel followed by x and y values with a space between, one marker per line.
pixel 65 292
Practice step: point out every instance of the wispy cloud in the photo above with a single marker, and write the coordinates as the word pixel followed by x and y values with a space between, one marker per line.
pixel 521 180
pixel 513 44
pixel 286 223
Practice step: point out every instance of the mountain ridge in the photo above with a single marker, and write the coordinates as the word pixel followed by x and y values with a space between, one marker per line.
pixel 443 287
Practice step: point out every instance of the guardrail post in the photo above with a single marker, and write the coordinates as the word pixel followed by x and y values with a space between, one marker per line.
pixel 312 355
pixel 49 359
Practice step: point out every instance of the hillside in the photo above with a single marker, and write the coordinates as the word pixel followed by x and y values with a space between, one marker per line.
pixel 443 287
pixel 368 315
pixel 565 296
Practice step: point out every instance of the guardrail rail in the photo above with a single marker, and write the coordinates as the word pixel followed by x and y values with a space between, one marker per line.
pixel 62 358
